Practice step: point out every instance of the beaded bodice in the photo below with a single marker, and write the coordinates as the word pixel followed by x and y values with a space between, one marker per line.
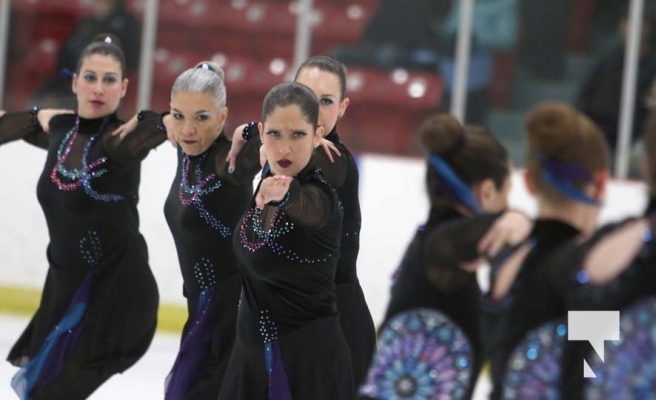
pixel 287 258
pixel 203 207
pixel 90 180
pixel 72 178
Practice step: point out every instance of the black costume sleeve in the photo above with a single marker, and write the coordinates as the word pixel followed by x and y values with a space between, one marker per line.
pixel 335 173
pixel 149 133
pixel 309 204
pixel 22 125
pixel 247 164
pixel 452 244
pixel 570 283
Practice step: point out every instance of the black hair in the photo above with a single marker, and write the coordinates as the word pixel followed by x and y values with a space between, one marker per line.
pixel 292 93
pixel 105 44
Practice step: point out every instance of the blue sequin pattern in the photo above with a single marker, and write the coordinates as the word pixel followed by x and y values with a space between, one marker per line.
pixel 629 367
pixel 280 227
pixel 421 355
pixel 534 365
pixel 80 177
pixel 269 333
pixel 192 194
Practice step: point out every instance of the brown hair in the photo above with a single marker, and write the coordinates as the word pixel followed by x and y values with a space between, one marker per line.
pixel 472 152
pixel 327 64
pixel 105 44
pixel 558 134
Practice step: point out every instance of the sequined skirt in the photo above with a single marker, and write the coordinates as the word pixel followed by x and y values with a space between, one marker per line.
pixel 315 359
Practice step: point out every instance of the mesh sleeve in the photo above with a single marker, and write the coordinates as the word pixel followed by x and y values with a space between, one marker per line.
pixel 336 172
pixel 309 204
pixel 452 244
pixel 22 125
pixel 247 164
pixel 148 134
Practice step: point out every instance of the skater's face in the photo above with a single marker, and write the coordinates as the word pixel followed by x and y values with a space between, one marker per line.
pixel 327 87
pixel 197 121
pixel 288 139
pixel 99 86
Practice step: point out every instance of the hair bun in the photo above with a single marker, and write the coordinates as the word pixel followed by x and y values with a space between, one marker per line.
pixel 440 134
pixel 211 66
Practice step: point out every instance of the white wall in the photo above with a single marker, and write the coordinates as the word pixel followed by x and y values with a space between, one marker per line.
pixel 391 194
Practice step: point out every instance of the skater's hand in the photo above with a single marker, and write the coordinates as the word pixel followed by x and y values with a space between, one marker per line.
pixel 329 148
pixel 125 129
pixel 45 115
pixel 510 229
pixel 167 121
pixel 273 188
pixel 238 143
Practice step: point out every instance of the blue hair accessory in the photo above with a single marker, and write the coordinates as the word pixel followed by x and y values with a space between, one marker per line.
pixel 561 175
pixel 453 185
pixel 66 73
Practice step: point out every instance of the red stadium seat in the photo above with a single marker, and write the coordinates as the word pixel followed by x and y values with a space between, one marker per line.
pixel 338 24
pixel 247 81
pixel 75 8
pixel 387 107
pixel 24 76
pixel 207 25
pixel 168 64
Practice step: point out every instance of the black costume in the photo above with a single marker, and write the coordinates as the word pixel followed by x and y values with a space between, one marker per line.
pixel 289 342
pixel 524 332
pixel 355 318
pixel 98 308
pixel 428 345
pixel 628 367
pixel 202 209
pixel 527 324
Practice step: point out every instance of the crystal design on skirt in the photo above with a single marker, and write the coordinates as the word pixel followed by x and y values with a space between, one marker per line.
pixel 269 333
pixel 629 367
pixel 80 177
pixel 421 355
pixel 268 328
pixel 534 365
pixel 91 249
pixel 204 273
pixel 278 386
pixel 49 361
pixel 196 342
pixel 192 194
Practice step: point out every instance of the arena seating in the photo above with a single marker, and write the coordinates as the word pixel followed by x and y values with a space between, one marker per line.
pixel 253 41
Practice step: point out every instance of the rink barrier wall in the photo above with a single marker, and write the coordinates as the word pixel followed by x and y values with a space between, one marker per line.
pixel 25 301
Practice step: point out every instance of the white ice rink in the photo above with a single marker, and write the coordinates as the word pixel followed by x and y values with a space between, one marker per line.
pixel 144 381
pixel 393 205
